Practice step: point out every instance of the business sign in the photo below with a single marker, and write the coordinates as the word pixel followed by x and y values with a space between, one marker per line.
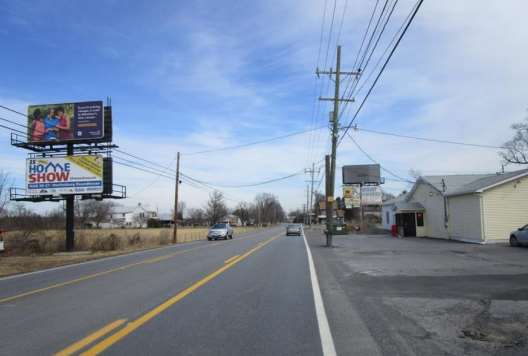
pixel 68 122
pixel 371 195
pixel 64 175
pixel 361 174
pixel 351 196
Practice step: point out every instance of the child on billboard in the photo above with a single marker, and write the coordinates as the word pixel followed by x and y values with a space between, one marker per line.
pixel 51 122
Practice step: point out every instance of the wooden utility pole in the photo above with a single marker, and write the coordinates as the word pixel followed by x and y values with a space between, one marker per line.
pixel 311 171
pixel 334 135
pixel 328 202
pixel 175 230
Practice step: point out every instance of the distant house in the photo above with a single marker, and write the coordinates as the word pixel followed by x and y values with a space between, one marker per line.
pixel 482 208
pixel 233 220
pixel 132 217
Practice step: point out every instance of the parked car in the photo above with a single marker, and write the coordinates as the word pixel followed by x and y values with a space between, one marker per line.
pixel 293 229
pixel 519 237
pixel 220 231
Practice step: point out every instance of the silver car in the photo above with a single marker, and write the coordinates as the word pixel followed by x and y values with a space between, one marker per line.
pixel 294 229
pixel 220 231
pixel 519 237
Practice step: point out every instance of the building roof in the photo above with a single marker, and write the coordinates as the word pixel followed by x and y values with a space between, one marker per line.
pixel 479 185
pixel 395 200
pixel 404 206
pixel 452 182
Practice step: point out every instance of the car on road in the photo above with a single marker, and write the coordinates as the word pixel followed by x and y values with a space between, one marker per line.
pixel 220 231
pixel 294 229
pixel 519 237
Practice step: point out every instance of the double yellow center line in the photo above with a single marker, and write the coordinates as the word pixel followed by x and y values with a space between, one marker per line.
pixel 99 274
pixel 132 326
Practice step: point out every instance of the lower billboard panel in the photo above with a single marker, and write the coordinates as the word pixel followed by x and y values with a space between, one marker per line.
pixel 64 175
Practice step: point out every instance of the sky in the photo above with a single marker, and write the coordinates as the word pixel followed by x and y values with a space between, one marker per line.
pixel 188 76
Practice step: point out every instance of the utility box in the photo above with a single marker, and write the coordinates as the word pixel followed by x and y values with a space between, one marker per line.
pixel 339 229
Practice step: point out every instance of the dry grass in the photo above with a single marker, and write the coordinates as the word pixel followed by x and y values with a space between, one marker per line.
pixel 50 241
pixel 27 252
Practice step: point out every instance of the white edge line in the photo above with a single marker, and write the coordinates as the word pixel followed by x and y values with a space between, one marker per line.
pixel 71 265
pixel 327 341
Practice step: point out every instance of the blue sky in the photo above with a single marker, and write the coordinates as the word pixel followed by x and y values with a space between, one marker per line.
pixel 188 76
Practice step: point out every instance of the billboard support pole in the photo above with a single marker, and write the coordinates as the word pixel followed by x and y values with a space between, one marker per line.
pixel 177 185
pixel 70 213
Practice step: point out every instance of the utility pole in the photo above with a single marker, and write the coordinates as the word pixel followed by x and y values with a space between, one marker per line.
pixel 307 220
pixel 328 202
pixel 175 230
pixel 310 202
pixel 335 135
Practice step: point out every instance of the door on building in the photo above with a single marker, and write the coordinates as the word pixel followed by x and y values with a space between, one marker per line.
pixel 409 224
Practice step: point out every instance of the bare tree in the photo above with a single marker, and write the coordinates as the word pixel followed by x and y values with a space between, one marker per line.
pixel 215 209
pixel 4 194
pixel 516 149
pixel 197 217
pixel 96 211
pixel 269 209
pixel 242 210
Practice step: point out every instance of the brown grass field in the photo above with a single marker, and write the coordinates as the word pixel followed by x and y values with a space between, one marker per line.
pixel 30 251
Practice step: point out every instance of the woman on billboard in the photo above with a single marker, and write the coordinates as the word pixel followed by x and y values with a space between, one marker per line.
pixel 65 132
pixel 37 127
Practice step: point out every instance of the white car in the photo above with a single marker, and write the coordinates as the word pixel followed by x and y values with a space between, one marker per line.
pixel 220 231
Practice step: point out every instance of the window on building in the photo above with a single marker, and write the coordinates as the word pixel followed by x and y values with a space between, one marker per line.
pixel 387 217
pixel 419 219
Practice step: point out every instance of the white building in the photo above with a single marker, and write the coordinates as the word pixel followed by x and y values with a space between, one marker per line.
pixel 474 208
pixel 132 217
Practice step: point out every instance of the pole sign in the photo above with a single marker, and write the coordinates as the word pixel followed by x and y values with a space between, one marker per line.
pixel 351 196
pixel 64 175
pixel 371 195
pixel 67 122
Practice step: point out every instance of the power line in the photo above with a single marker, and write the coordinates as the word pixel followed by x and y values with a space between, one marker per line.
pixel 13 110
pixel 427 139
pixel 273 180
pixel 255 142
pixel 13 122
pixel 12 129
pixel 365 66
pixel 374 161
pixel 382 69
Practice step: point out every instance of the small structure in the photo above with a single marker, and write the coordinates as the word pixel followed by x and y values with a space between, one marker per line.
pixel 132 217
pixel 481 208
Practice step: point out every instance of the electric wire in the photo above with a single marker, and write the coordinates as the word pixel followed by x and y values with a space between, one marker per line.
pixel 381 70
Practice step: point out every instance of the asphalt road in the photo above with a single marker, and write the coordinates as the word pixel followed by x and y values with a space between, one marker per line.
pixel 248 296
pixel 419 296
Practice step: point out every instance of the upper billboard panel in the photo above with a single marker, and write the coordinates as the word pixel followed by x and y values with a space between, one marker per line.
pixel 362 174
pixel 63 123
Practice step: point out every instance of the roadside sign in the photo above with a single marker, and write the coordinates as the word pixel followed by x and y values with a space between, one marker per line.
pixel 64 175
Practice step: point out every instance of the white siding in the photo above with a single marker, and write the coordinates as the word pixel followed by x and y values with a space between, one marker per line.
pixel 505 209
pixel 465 218
pixel 433 202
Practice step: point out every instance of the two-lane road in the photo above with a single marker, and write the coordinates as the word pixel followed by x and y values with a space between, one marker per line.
pixel 250 295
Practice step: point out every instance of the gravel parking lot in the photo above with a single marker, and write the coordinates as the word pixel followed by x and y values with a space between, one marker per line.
pixel 423 296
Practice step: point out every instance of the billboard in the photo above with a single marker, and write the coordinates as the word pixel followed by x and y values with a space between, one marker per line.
pixel 361 174
pixel 67 122
pixel 64 175
pixel 351 196
pixel 371 195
